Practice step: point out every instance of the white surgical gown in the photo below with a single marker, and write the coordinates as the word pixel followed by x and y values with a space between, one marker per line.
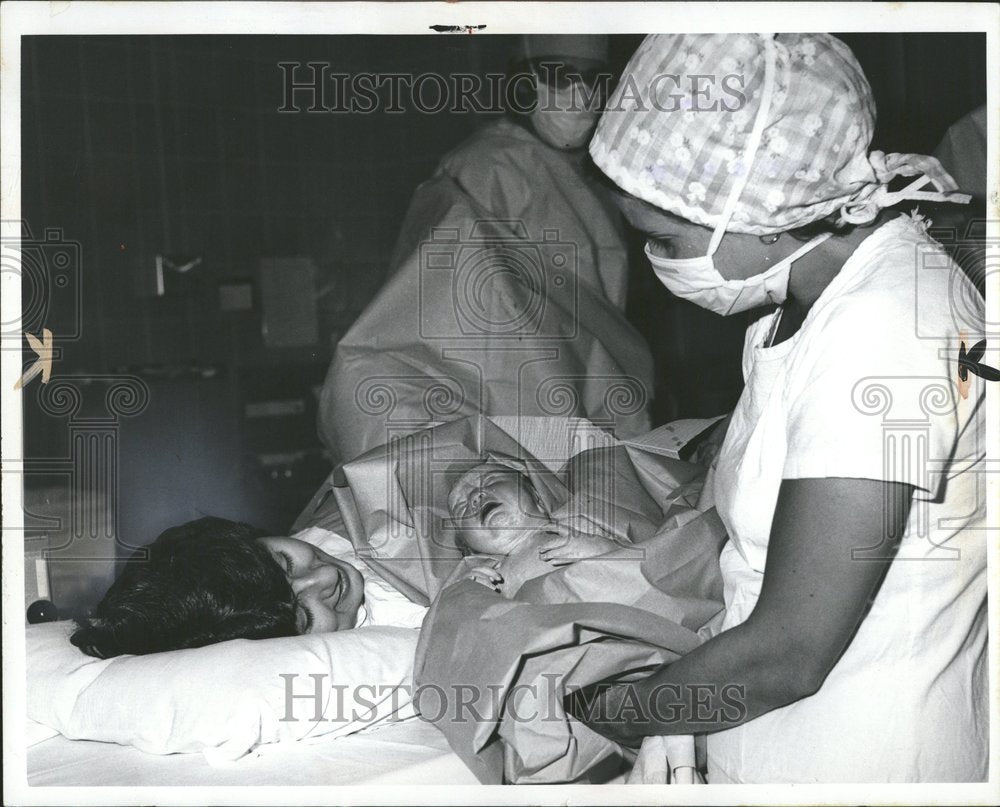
pixel 868 388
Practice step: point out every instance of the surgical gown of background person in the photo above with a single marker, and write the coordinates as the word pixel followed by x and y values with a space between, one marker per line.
pixel 505 296
pixel 961 229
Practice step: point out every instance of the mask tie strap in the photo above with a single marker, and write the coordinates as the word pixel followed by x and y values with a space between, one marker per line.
pixel 809 246
pixel 775 279
pixel 753 143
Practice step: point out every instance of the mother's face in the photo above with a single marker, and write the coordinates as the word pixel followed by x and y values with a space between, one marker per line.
pixel 329 591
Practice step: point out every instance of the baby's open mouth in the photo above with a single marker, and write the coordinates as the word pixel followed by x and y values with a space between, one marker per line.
pixel 488 508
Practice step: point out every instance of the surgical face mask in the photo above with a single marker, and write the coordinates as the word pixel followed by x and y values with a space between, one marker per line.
pixel 697 279
pixel 560 118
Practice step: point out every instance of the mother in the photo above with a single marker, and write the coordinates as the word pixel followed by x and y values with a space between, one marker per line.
pixel 850 481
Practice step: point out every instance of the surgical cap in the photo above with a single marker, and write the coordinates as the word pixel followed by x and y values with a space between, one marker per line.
pixel 674 132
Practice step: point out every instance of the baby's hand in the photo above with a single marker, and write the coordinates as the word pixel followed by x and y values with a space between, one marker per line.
pixel 486 573
pixel 566 545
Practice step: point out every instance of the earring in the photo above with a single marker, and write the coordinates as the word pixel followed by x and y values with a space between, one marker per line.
pixel 770 239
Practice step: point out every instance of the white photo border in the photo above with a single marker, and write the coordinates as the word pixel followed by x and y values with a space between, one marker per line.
pixel 164 18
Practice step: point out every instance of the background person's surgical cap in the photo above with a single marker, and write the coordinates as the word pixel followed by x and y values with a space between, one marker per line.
pixel 593 47
pixel 813 155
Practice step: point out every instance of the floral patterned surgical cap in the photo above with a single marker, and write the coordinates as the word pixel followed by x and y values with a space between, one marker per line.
pixel 674 131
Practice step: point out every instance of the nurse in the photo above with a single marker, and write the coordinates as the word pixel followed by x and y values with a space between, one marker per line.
pixel 851 478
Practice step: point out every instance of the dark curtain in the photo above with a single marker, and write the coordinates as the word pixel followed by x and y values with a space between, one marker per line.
pixel 922 83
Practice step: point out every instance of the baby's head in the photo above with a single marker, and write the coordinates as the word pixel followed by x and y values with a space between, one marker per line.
pixel 495 506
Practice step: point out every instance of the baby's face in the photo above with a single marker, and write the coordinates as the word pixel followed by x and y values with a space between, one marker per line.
pixel 495 507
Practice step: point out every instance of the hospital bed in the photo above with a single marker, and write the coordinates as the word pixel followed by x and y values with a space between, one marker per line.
pixel 407 753
pixel 402 750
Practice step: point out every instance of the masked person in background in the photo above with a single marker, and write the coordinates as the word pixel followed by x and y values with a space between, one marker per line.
pixel 850 481
pixel 506 289
pixel 962 152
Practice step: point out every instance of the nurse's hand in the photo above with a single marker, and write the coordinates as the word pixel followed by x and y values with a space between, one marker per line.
pixel 606 709
pixel 564 545
pixel 485 572
pixel 520 566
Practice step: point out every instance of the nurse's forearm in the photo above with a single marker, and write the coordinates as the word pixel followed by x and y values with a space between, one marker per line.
pixel 728 680
pixel 813 597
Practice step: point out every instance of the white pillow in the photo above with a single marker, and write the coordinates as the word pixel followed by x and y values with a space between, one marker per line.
pixel 227 698
pixel 224 699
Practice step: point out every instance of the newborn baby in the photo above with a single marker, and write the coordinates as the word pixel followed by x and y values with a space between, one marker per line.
pixel 500 517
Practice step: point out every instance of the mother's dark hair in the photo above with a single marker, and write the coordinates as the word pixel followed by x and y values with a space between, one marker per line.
pixel 202 582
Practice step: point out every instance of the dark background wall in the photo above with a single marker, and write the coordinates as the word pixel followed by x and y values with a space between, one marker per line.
pixel 137 146
pixel 140 145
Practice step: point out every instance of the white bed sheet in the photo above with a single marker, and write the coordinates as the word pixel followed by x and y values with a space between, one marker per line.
pixel 411 752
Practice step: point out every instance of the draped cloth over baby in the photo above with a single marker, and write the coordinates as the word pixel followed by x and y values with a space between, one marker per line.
pixel 492 673
pixel 393 498
pixel 622 614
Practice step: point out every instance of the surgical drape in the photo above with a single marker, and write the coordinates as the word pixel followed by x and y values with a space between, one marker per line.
pixel 504 297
